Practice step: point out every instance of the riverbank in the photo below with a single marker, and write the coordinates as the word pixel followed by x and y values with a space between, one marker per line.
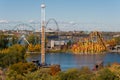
pixel 67 51
pixel 115 51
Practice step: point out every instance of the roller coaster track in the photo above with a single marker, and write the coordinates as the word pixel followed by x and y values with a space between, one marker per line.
pixel 99 37
pixel 57 30
pixel 23 25
pixel 52 19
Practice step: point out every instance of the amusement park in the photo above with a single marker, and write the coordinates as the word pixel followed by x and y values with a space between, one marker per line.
pixel 47 50
pixel 76 42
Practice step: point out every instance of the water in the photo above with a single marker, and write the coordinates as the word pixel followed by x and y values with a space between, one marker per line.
pixel 68 60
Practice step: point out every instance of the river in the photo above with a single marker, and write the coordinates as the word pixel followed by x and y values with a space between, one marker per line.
pixel 69 60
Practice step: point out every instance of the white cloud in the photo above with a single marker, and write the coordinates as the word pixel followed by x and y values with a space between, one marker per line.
pixel 31 21
pixel 3 21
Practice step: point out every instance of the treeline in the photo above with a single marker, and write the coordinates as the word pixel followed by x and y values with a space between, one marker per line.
pixel 7 40
pixel 22 71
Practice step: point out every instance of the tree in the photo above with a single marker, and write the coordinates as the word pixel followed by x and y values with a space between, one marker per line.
pixel 14 55
pixel 3 41
pixel 55 69
pixel 115 68
pixel 41 74
pixel 14 39
pixel 75 74
pixel 23 68
pixel 37 48
pixel 12 75
pixel 106 74
pixel 30 47
pixel 33 39
pixel 117 39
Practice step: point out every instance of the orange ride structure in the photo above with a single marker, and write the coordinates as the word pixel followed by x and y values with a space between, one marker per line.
pixel 94 44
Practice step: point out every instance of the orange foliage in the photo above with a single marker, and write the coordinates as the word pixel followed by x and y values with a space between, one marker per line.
pixel 35 48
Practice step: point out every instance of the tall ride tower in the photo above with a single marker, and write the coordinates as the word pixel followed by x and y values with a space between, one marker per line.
pixel 43 34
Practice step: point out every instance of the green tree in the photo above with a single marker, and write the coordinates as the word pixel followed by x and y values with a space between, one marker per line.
pixel 19 70
pixel 3 41
pixel 106 74
pixel 33 39
pixel 14 39
pixel 23 68
pixel 41 74
pixel 85 74
pixel 75 74
pixel 117 40
pixel 13 75
pixel 15 54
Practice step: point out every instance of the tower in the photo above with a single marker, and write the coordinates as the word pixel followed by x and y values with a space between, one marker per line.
pixel 43 34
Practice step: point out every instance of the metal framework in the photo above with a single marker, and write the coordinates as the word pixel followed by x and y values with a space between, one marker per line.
pixel 99 38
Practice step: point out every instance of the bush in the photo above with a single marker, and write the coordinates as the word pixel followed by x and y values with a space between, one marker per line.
pixel 23 68
pixel 75 74
pixel 41 74
pixel 12 75
pixel 55 69
pixel 106 74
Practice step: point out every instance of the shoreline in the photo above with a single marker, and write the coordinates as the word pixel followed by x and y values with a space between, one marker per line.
pixel 66 52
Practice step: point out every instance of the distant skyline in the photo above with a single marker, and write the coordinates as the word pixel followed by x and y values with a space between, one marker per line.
pixel 95 12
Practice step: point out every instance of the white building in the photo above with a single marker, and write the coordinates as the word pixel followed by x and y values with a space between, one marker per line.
pixel 58 43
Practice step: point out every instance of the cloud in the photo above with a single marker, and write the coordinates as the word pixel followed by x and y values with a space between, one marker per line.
pixel 3 21
pixel 31 21
pixel 72 22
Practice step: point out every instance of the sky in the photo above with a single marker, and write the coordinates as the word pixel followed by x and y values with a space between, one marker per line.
pixel 88 12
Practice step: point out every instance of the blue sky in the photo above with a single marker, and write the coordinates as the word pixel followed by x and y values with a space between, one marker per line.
pixel 83 11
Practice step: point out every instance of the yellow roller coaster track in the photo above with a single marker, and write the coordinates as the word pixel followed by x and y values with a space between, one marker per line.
pixel 99 37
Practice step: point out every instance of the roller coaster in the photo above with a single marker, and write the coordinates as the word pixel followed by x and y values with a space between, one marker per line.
pixel 93 44
pixel 22 31
pixel 23 28
pixel 56 30
pixel 52 19
pixel 99 38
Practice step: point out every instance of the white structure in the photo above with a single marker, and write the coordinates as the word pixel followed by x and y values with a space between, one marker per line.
pixel 57 43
